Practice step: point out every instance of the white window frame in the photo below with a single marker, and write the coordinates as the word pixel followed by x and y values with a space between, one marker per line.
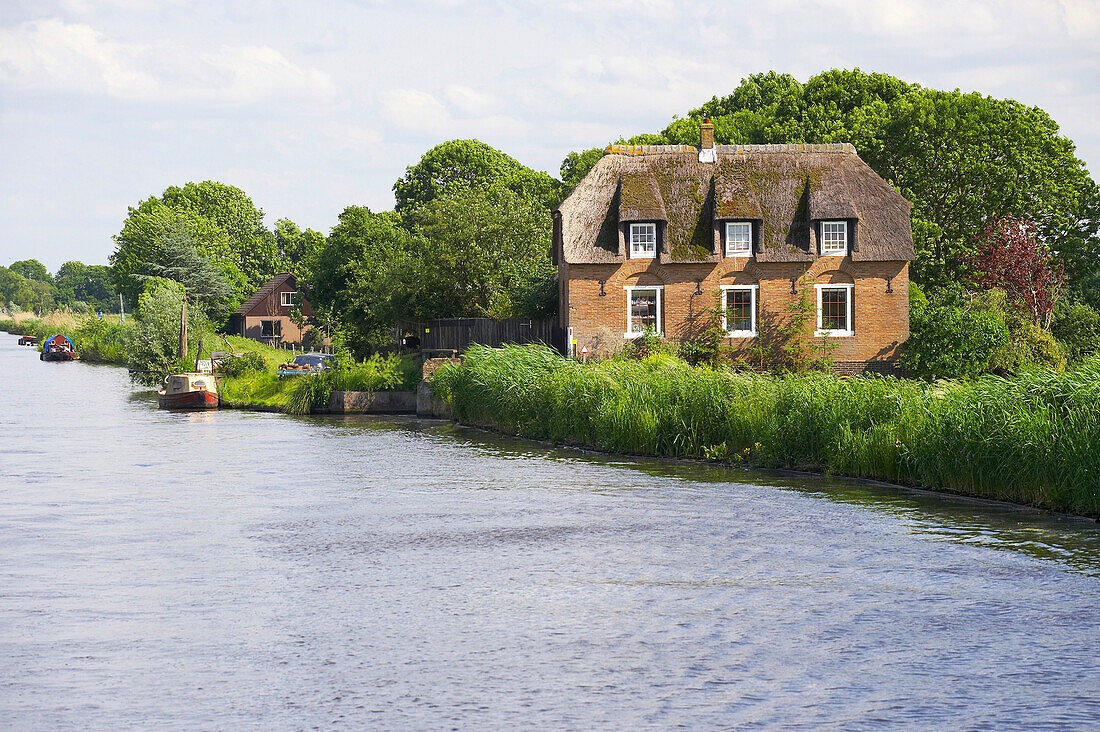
pixel 660 296
pixel 843 251
pixel 754 289
pixel 283 298
pixel 834 333
pixel 740 252
pixel 638 253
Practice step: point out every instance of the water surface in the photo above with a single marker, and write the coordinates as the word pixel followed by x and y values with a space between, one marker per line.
pixel 235 570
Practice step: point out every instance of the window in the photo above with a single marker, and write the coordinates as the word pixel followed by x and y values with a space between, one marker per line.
pixel 739 310
pixel 834 310
pixel 834 238
pixel 288 299
pixel 271 329
pixel 643 240
pixel 643 310
pixel 738 239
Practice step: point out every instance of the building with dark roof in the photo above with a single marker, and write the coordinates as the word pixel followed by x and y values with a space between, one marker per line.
pixel 266 315
pixel 662 236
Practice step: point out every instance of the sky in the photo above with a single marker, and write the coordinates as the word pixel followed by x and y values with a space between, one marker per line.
pixel 310 107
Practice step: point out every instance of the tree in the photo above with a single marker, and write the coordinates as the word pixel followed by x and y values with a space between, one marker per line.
pixel 179 261
pixel 962 159
pixel 1011 257
pixel 296 247
pixel 221 221
pixel 364 276
pixel 31 269
pixel 16 291
pixel 470 164
pixel 576 165
pixel 90 284
pixel 488 255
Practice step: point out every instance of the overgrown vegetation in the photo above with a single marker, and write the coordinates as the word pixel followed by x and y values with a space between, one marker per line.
pixel 377 373
pixel 1028 440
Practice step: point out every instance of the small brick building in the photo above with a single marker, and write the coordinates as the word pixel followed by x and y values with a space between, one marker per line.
pixel 661 236
pixel 266 315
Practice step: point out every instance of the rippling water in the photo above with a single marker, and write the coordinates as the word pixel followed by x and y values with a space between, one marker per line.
pixel 233 570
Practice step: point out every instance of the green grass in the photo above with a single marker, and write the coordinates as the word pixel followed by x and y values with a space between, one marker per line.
pixel 1031 440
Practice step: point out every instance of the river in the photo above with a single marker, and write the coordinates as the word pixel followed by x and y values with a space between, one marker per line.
pixel 248 571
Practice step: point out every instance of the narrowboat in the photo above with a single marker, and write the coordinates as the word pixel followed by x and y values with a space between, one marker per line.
pixel 188 391
pixel 58 348
pixel 28 340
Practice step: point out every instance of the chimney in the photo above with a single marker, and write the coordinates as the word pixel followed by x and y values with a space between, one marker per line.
pixel 707 152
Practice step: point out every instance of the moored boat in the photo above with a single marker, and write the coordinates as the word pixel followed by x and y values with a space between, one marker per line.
pixel 58 348
pixel 188 391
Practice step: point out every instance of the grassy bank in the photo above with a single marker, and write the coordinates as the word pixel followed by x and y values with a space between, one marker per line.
pixel 304 394
pixel 1032 440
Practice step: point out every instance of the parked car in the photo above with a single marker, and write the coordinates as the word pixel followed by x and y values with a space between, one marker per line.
pixel 306 363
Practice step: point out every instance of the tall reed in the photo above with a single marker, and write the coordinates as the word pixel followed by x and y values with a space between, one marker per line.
pixel 1034 439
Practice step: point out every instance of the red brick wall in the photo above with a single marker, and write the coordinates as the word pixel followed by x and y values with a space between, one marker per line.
pixel 880 319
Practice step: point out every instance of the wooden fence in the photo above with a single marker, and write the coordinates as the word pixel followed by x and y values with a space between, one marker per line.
pixel 456 334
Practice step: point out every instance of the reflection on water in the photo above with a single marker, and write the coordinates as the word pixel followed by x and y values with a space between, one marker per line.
pixel 1071 540
pixel 234 570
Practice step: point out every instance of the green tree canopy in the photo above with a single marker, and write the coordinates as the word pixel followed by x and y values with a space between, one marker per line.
pixel 363 277
pixel 296 247
pixel 179 260
pixel 87 283
pixel 19 293
pixel 31 269
pixel 488 255
pixel 220 220
pixel 461 164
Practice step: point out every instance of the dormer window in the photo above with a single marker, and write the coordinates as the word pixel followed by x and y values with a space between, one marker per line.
pixel 287 299
pixel 738 239
pixel 834 238
pixel 643 241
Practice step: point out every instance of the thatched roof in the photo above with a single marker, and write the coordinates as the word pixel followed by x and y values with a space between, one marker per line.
pixel 786 188
pixel 640 198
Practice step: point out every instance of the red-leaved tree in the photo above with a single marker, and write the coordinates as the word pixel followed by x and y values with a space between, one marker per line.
pixel 1011 257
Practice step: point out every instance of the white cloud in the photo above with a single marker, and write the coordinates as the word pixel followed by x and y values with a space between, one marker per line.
pixel 51 54
pixel 414 111
pixel 418 112
pixel 70 58
pixel 470 101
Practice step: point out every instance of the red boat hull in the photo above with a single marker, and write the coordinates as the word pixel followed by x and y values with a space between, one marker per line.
pixel 188 400
pixel 58 356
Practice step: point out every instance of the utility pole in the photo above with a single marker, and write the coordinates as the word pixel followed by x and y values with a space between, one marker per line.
pixel 183 329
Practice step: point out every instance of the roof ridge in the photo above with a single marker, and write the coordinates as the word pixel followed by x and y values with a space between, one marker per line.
pixel 794 147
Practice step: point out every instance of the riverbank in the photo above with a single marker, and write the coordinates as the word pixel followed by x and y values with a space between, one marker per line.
pixel 254 383
pixel 1029 440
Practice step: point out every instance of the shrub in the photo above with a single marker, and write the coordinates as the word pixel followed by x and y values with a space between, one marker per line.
pixel 154 340
pixel 238 365
pixel 1077 326
pixel 948 340
pixel 377 373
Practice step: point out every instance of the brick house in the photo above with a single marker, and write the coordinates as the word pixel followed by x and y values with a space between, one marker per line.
pixel 266 315
pixel 655 236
